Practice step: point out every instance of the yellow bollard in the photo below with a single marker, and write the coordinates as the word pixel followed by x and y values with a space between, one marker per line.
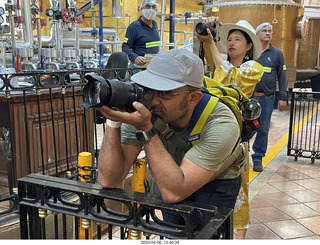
pixel 139 175
pixel 139 179
pixel 84 162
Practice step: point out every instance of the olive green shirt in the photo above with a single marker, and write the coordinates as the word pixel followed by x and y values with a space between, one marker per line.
pixel 218 139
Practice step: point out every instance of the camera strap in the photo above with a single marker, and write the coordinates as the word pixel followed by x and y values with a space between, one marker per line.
pixel 201 52
pixel 169 135
pixel 180 144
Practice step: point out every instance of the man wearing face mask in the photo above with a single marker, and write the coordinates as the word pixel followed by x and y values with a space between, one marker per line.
pixel 142 35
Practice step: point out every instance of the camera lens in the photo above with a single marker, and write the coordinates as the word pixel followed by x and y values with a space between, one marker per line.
pixel 113 93
pixel 123 94
pixel 96 92
pixel 201 29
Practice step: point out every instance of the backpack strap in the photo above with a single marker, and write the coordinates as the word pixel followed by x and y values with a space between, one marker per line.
pixel 199 117
pixel 197 121
pixel 170 135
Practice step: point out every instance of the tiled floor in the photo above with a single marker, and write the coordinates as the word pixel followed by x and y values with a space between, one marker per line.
pixel 285 196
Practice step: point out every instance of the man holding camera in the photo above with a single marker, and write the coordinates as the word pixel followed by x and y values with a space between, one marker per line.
pixel 208 172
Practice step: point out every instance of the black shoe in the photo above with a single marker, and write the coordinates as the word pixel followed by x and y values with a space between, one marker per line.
pixel 257 166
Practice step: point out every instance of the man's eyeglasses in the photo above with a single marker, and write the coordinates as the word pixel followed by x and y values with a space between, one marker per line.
pixel 265 31
pixel 167 95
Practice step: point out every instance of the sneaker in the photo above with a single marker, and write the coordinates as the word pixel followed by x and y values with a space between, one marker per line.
pixel 257 166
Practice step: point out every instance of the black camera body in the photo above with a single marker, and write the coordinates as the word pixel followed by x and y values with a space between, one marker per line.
pixel 201 29
pixel 114 93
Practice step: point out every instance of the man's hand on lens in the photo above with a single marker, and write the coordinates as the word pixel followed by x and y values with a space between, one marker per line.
pixel 141 118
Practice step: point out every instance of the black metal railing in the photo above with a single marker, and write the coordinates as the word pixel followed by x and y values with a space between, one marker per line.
pixel 304 125
pixel 39 194
pixel 43 128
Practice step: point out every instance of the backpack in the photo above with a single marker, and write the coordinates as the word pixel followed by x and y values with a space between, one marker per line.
pixel 238 102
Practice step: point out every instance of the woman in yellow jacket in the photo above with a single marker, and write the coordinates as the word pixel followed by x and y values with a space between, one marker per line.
pixel 242 47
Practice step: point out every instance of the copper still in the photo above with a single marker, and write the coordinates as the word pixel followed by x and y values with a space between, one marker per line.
pixel 308 45
pixel 285 16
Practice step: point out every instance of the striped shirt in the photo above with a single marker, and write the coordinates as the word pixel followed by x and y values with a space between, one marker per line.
pixel 274 69
pixel 141 39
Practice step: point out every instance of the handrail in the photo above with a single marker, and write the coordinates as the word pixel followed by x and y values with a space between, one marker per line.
pixel 45 192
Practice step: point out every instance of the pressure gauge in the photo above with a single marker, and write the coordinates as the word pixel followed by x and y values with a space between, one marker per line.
pixel 1 20
pixel 1 11
pixel 49 12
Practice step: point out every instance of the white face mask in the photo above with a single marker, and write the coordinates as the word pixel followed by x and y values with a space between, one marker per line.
pixel 149 14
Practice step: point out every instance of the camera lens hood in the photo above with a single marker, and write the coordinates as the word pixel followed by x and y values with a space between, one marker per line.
pixel 95 96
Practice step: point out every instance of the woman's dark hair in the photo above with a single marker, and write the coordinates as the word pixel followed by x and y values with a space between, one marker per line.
pixel 249 54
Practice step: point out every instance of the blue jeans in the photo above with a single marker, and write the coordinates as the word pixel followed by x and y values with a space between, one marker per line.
pixel 218 192
pixel 261 141
pixel 133 65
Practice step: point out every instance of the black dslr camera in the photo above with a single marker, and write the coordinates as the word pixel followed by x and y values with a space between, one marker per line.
pixel 201 29
pixel 114 93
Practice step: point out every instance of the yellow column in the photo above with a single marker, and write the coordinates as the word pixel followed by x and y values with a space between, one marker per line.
pixel 139 175
pixel 139 179
pixel 84 162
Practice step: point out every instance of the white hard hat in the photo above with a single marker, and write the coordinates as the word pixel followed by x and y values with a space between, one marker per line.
pixel 151 2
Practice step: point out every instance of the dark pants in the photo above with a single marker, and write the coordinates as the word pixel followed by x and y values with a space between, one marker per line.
pixel 219 193
pixel 261 141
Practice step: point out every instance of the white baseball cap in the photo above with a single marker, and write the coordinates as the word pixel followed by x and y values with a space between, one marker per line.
pixel 172 69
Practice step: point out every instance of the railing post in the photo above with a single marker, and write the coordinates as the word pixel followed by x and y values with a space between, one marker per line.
pixel 139 180
pixel 23 217
pixel 85 175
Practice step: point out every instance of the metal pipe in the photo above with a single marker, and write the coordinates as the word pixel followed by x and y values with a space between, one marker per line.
pixel 93 12
pixel 110 42
pixel 183 32
pixel 171 19
pixel 189 20
pixel 311 6
pixel 318 60
pixel 27 23
pixel 73 64
pixel 49 65
pixel 39 37
pixel 61 5
pixel 28 66
pixel 13 38
pixel 58 40
pixel 48 41
pixel 116 27
pixel 69 42
pixel 86 31
pixel 77 44
pixel 90 64
pixel 163 10
pixel 100 31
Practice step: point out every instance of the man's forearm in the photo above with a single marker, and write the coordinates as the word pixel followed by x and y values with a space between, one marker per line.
pixel 111 162
pixel 166 173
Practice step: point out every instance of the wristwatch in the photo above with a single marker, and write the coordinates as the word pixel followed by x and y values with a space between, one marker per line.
pixel 145 136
